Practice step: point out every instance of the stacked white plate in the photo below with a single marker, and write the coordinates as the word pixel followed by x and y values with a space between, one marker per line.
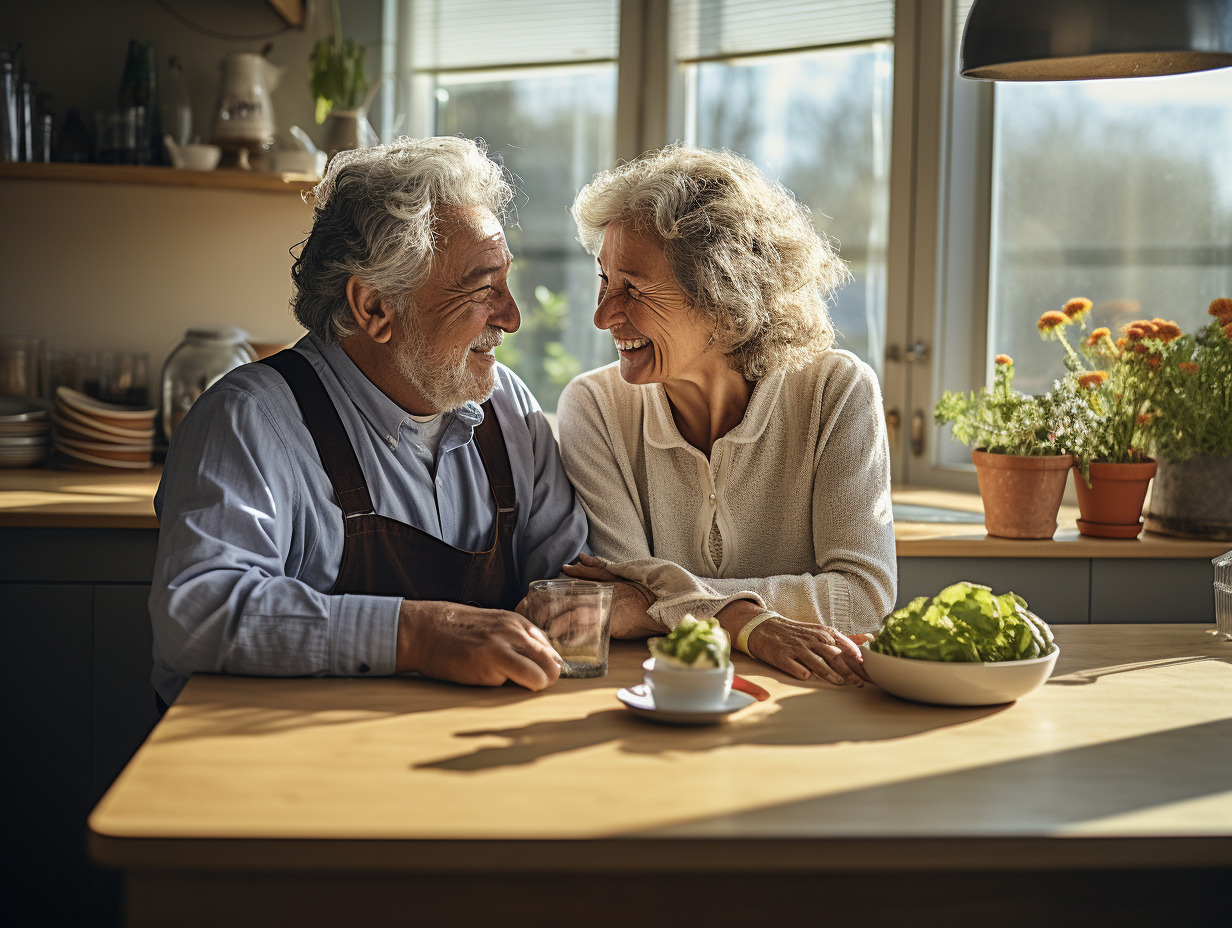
pixel 90 434
pixel 25 432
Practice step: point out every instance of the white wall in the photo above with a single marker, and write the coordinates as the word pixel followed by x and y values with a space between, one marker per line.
pixel 129 267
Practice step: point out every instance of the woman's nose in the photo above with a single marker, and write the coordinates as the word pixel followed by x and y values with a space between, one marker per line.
pixel 605 313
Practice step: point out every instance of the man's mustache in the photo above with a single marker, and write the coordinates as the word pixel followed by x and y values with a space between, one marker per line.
pixel 491 337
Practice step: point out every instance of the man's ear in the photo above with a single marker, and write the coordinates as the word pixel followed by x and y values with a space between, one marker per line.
pixel 369 310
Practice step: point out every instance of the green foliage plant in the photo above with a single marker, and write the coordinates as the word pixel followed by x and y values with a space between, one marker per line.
pixel 337 77
pixel 1193 408
pixel 1001 420
pixel 1153 391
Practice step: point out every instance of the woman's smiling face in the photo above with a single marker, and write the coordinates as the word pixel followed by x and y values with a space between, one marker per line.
pixel 657 332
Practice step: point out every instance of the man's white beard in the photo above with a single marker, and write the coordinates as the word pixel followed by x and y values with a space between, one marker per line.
pixel 446 383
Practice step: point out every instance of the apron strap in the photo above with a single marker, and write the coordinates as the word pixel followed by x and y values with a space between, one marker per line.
pixel 495 455
pixel 337 453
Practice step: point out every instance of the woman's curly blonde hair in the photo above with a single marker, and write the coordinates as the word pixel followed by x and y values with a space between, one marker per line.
pixel 741 246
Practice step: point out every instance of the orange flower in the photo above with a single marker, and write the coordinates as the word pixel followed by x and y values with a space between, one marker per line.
pixel 1134 331
pixel 1003 359
pixel 1149 329
pixel 1122 342
pixel 1144 418
pixel 1051 320
pixel 1166 331
pixel 1076 308
pixel 1153 362
pixel 1221 309
pixel 1092 379
pixel 1140 348
pixel 1097 334
pixel 1227 330
pixel 1188 367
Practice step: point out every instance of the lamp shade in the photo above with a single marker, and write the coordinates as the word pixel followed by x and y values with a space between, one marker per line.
pixel 1074 40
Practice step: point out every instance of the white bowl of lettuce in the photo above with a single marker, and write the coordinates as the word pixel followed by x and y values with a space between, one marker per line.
pixel 966 646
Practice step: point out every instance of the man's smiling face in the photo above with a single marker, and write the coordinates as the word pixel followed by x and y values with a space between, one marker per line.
pixel 460 313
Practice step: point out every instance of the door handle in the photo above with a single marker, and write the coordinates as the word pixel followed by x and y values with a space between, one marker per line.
pixel 917 433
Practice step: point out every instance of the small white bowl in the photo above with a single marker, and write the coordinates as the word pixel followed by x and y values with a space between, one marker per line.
pixel 957 683
pixel 684 689
pixel 199 157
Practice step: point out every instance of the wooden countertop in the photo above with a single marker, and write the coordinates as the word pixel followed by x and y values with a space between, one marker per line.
pixel 929 523
pixel 1121 760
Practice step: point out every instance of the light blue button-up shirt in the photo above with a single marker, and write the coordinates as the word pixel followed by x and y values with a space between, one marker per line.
pixel 251 536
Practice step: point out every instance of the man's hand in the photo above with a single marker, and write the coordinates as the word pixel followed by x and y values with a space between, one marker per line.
pixel 467 644
pixel 630 601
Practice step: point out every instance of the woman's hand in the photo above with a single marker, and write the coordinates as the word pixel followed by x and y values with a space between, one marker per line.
pixel 629 600
pixel 802 649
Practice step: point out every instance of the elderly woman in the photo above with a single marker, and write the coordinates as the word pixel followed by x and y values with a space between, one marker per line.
pixel 732 462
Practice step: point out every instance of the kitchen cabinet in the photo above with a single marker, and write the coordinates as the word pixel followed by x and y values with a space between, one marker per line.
pixel 78 704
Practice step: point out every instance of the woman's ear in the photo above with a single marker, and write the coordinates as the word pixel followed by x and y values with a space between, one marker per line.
pixel 369 310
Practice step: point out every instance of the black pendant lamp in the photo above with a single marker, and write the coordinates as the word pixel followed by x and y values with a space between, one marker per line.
pixel 1075 40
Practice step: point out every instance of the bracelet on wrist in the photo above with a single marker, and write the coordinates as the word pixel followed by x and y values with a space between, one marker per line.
pixel 742 639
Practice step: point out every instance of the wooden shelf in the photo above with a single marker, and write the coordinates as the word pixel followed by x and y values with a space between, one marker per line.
pixel 223 178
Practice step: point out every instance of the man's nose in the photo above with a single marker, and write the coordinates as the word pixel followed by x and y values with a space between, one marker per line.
pixel 506 315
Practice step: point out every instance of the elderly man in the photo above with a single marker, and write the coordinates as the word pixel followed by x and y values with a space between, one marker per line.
pixel 375 499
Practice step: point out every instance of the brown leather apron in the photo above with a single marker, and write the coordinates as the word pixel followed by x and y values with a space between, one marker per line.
pixel 384 557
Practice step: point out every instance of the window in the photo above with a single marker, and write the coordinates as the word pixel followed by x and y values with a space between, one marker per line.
pixel 1119 191
pixel 964 209
pixel 537 82
pixel 804 91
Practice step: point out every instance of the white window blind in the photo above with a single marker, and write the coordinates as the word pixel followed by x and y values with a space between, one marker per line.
pixel 458 34
pixel 707 29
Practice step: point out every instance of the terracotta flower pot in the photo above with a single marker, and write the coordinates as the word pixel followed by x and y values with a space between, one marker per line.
pixel 1021 495
pixel 1112 506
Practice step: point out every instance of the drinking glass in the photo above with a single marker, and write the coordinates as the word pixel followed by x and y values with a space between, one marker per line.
pixel 575 615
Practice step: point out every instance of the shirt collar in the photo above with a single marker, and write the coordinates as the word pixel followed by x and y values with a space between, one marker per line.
pixel 659 428
pixel 385 416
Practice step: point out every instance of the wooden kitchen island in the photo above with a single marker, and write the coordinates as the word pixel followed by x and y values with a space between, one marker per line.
pixel 1105 797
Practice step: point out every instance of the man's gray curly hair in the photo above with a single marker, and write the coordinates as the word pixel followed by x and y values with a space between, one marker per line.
pixel 375 215
pixel 741 246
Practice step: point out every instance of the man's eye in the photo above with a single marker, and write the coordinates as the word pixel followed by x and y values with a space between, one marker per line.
pixel 632 290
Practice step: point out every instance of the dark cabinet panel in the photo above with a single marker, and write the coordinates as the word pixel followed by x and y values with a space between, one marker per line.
pixel 1150 590
pixel 1057 589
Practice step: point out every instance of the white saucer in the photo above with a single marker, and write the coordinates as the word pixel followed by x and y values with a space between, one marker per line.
pixel 638 699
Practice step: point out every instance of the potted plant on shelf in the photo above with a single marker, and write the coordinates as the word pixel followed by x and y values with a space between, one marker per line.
pixel 1020 459
pixel 1120 380
pixel 1192 493
pixel 342 90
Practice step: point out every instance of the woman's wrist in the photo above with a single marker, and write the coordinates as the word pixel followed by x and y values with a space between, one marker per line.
pixel 738 614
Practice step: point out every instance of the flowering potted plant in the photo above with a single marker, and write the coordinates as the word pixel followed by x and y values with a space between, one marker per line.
pixel 1192 494
pixel 1121 380
pixel 1020 457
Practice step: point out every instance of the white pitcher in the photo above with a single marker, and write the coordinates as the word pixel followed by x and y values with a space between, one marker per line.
pixel 244 115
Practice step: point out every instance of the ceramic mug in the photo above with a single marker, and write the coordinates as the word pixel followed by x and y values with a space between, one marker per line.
pixel 687 689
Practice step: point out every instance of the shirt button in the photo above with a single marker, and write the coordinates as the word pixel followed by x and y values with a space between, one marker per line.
pixel 712 497
pixel 364 668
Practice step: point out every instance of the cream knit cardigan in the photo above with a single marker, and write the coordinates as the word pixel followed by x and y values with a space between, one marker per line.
pixel 800 489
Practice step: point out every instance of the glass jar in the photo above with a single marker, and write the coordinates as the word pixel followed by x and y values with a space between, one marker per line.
pixel 195 364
